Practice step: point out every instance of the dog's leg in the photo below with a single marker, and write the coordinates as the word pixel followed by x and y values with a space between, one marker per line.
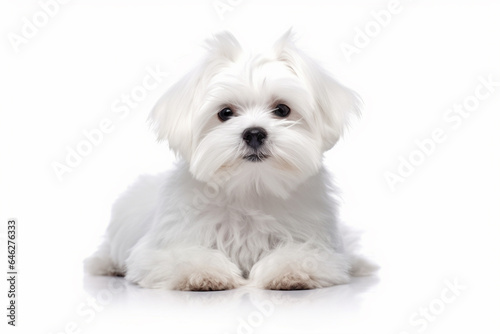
pixel 182 268
pixel 100 263
pixel 296 267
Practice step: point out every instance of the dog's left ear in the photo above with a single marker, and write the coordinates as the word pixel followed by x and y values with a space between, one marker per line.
pixel 173 114
pixel 334 103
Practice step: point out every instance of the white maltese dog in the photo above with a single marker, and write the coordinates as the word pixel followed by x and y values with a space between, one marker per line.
pixel 250 202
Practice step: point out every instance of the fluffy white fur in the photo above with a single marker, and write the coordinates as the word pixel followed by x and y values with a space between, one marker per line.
pixel 219 221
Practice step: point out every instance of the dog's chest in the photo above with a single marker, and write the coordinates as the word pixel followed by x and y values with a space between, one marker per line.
pixel 245 235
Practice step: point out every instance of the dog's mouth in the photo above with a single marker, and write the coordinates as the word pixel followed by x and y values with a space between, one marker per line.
pixel 255 157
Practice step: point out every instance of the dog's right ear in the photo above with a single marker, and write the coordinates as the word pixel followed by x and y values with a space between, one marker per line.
pixel 335 103
pixel 172 116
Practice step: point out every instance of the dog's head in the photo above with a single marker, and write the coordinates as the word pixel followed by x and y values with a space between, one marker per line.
pixel 263 122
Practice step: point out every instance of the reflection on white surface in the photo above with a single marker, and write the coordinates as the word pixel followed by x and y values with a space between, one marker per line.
pixel 123 290
pixel 243 310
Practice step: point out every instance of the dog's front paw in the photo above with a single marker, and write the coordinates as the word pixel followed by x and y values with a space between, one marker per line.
pixel 192 268
pixel 295 267
pixel 292 281
pixel 208 281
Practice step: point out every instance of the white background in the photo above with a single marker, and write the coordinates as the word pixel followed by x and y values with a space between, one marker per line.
pixel 438 227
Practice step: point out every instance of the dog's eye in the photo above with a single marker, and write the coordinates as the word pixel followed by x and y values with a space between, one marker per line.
pixel 225 114
pixel 282 110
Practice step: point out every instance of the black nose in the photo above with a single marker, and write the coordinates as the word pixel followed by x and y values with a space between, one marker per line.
pixel 254 137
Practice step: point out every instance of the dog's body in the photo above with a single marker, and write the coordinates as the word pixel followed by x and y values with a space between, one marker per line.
pixel 250 202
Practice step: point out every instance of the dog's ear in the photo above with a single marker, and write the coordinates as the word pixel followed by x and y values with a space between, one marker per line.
pixel 172 116
pixel 334 103
pixel 223 47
